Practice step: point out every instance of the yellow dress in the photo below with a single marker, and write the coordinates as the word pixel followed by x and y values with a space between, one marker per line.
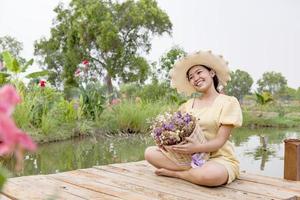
pixel 224 110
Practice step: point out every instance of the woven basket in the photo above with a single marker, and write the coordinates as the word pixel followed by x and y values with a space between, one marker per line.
pixel 186 159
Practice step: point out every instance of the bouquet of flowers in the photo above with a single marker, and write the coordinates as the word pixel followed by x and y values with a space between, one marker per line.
pixel 170 129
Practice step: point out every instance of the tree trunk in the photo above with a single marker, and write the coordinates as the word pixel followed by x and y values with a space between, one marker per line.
pixel 109 87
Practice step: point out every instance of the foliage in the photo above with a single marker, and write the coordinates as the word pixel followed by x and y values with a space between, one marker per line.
pixel 263 98
pixel 92 101
pixel 44 109
pixel 167 61
pixel 239 85
pixel 10 44
pixel 152 92
pixel 272 82
pixel 130 116
pixel 250 120
pixel 130 90
pixel 110 34
pixel 2 177
pixel 13 68
pixel 289 94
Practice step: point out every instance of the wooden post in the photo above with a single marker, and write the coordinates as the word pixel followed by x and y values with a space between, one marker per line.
pixel 292 159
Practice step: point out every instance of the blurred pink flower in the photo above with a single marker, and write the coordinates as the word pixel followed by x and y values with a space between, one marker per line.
pixel 11 136
pixel 42 83
pixel 85 62
pixel 115 101
pixel 77 72
pixel 12 139
pixel 8 99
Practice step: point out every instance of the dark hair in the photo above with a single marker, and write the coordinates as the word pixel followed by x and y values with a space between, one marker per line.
pixel 215 78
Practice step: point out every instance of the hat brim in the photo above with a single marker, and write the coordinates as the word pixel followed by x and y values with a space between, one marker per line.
pixel 178 72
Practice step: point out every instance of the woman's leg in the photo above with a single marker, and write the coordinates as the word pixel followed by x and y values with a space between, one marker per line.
pixel 156 158
pixel 210 174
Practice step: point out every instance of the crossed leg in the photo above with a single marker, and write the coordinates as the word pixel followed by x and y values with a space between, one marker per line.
pixel 209 174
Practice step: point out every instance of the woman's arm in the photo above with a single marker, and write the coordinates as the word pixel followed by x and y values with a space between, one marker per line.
pixel 213 145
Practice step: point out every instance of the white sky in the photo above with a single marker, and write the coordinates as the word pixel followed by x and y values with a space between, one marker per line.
pixel 253 35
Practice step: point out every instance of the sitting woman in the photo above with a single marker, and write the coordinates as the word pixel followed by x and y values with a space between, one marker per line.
pixel 217 114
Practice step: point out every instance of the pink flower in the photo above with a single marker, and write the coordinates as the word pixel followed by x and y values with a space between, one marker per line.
pixel 8 99
pixel 77 72
pixel 11 136
pixel 42 83
pixel 115 101
pixel 12 139
pixel 85 62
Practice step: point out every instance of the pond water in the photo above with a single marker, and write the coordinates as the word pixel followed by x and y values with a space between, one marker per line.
pixel 91 151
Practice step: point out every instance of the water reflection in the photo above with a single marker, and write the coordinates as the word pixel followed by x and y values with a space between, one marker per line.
pixel 261 151
pixel 254 156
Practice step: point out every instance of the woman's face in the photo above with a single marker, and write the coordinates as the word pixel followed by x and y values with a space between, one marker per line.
pixel 201 78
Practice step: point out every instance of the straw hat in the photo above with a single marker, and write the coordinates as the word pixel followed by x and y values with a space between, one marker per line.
pixel 179 70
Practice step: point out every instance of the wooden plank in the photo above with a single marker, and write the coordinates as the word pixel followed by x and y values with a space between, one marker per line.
pixel 278 182
pixel 264 189
pixel 181 185
pixel 149 188
pixel 102 185
pixel 34 187
pixel 268 190
pixel 3 197
pixel 137 181
pixel 43 187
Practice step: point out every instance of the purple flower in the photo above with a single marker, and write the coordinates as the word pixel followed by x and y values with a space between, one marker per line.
pixel 187 118
pixel 168 127
pixel 172 129
pixel 157 132
pixel 197 160
pixel 178 114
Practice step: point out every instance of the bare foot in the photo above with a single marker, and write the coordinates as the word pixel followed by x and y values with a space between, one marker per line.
pixel 165 172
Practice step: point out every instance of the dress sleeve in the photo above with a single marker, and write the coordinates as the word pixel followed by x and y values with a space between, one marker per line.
pixel 184 107
pixel 231 113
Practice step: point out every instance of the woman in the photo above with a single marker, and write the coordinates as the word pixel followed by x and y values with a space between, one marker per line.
pixel 216 113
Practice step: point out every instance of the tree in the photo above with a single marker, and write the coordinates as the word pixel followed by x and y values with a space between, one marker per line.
pixel 272 82
pixel 288 94
pixel 239 85
pixel 111 35
pixel 10 44
pixel 167 61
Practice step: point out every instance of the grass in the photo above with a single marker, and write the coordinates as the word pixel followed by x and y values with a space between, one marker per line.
pixel 131 117
pixel 251 120
pixel 63 132
pixel 47 116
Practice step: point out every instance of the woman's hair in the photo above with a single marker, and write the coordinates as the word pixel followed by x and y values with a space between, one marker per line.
pixel 215 78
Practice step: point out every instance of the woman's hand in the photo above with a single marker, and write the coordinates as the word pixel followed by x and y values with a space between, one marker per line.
pixel 188 148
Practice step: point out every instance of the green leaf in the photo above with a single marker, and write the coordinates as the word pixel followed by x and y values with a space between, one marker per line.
pixel 259 99
pixel 27 64
pixel 3 175
pixel 3 74
pixel 15 66
pixel 37 74
pixel 3 77
pixel 11 63
pixel 8 59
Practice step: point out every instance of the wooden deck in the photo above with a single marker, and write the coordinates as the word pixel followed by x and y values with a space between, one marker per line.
pixel 136 180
